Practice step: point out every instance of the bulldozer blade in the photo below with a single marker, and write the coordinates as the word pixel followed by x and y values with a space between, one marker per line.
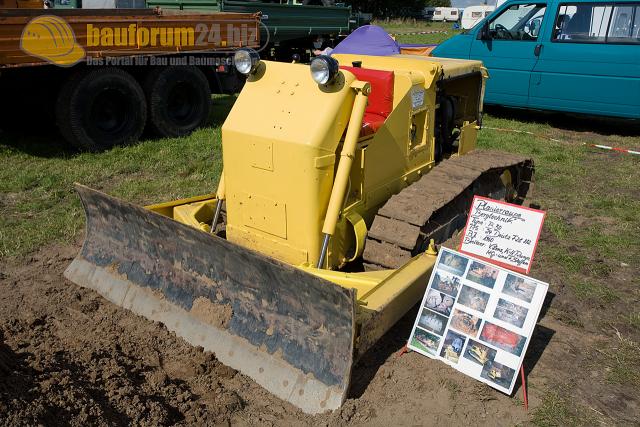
pixel 290 331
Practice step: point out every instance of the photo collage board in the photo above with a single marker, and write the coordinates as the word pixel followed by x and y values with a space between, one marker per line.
pixel 478 318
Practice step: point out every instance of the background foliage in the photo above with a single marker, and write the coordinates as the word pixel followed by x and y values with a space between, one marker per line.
pixel 396 8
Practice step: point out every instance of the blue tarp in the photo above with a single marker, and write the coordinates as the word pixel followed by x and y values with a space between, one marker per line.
pixel 372 40
pixel 368 40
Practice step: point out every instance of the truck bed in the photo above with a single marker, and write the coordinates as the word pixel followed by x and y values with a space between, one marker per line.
pixel 210 32
pixel 285 21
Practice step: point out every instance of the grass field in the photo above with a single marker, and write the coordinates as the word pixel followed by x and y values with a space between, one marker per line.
pixel 402 30
pixel 589 250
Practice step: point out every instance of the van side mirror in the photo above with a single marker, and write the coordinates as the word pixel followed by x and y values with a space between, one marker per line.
pixel 484 32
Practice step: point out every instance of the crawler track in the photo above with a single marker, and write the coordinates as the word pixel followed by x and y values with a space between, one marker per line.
pixel 436 206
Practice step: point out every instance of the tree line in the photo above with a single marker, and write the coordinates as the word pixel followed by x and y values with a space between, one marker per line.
pixel 396 8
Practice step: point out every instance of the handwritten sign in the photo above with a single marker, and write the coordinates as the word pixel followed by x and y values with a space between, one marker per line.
pixel 477 318
pixel 502 233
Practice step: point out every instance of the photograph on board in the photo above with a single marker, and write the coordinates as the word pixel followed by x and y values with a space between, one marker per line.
pixel 466 323
pixel 452 347
pixel 479 353
pixel 439 301
pixel 482 274
pixel 519 287
pixel 502 338
pixel 446 283
pixel 498 373
pixel 433 322
pixel 425 341
pixel 510 313
pixel 473 298
pixel 453 263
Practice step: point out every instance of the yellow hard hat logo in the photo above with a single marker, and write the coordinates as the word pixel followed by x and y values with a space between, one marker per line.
pixel 52 39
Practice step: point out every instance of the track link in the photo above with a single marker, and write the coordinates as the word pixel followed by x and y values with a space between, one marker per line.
pixel 436 206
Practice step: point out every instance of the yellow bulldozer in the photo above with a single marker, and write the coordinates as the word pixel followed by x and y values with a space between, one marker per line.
pixel 340 178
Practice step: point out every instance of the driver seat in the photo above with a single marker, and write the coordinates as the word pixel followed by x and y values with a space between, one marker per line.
pixel 380 102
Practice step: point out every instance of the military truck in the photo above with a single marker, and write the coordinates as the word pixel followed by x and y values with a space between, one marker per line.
pixel 289 28
pixel 105 75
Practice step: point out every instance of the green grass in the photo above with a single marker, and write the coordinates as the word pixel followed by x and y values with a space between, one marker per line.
pixel 601 293
pixel 557 226
pixel 600 193
pixel 622 362
pixel 558 411
pixel 36 183
pixel 398 29
pixel 633 319
pixel 408 25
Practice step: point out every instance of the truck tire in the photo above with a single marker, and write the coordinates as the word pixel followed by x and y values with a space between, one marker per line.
pixel 178 100
pixel 100 108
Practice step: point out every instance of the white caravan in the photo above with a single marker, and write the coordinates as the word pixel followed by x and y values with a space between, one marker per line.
pixel 442 14
pixel 474 14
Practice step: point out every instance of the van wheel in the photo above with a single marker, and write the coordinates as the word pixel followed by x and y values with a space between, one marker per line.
pixel 99 109
pixel 178 100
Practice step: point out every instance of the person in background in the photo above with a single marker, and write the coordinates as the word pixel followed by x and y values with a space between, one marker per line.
pixel 318 44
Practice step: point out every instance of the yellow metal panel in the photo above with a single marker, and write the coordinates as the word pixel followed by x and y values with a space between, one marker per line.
pixel 363 283
pixel 265 215
pixel 166 208
pixel 260 155
pixel 468 138
pixel 268 244
pixel 325 161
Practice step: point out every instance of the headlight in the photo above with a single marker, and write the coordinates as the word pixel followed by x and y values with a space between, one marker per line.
pixel 246 61
pixel 324 69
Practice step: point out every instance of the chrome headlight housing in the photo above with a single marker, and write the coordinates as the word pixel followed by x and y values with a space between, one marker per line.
pixel 246 61
pixel 324 69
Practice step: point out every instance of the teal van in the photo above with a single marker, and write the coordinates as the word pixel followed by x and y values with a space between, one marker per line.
pixel 564 55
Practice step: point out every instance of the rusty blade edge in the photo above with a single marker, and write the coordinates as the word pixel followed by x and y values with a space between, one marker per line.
pixel 271 372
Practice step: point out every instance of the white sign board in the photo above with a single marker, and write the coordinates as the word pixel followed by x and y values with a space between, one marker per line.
pixel 417 98
pixel 502 233
pixel 478 318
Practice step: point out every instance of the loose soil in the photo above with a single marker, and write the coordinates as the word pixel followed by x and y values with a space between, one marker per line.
pixel 69 356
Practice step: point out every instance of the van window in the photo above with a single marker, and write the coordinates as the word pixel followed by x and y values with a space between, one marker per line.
pixel 518 22
pixel 625 24
pixel 597 23
pixel 454 12
pixel 582 22
pixel 476 14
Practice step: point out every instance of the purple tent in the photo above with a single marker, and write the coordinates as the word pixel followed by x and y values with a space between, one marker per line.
pixel 368 40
